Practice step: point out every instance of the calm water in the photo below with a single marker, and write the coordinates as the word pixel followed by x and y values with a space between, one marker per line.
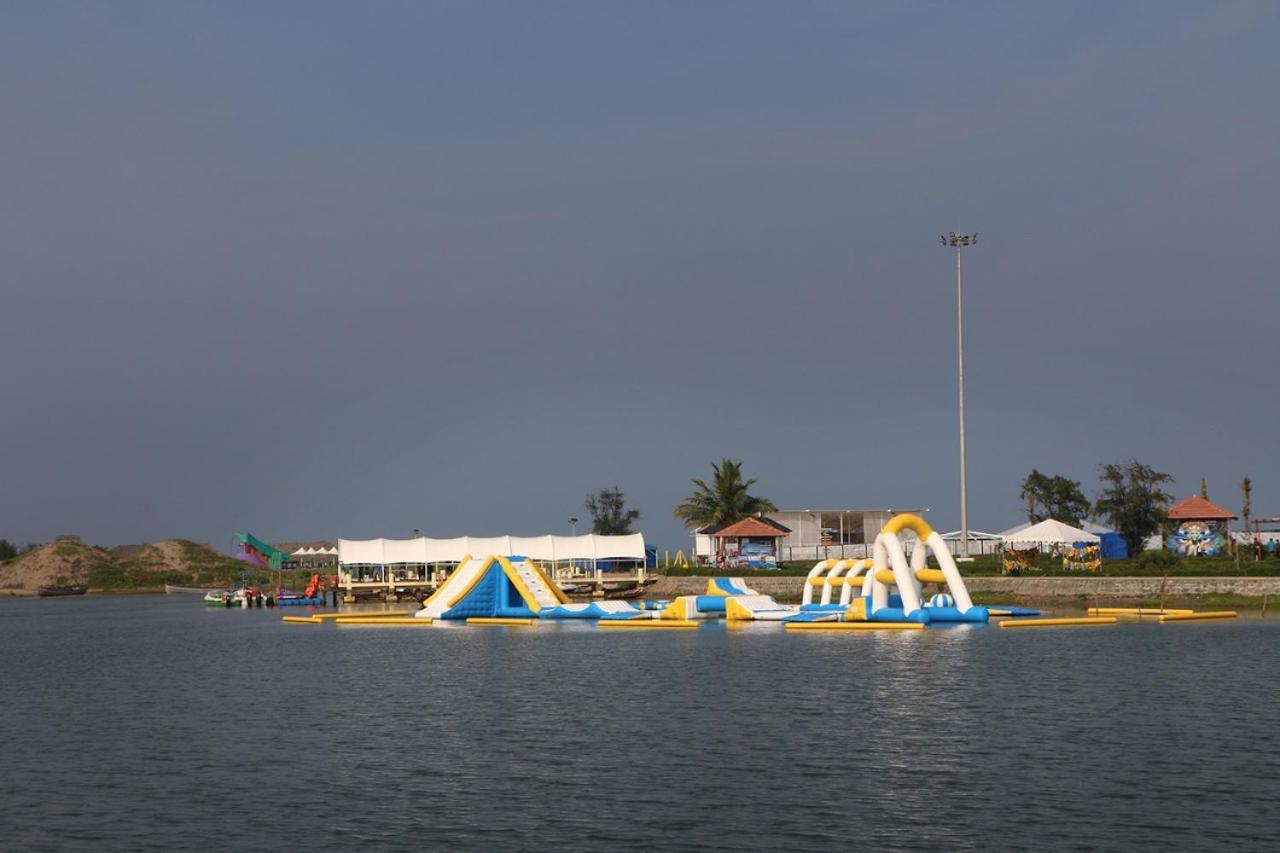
pixel 150 723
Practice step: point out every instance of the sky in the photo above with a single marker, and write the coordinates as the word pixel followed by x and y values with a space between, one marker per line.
pixel 321 270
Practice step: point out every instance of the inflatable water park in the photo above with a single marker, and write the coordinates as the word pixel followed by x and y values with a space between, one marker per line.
pixel 883 592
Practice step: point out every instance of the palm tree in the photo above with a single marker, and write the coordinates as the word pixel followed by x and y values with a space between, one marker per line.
pixel 724 501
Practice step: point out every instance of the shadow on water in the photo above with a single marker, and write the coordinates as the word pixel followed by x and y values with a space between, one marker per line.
pixel 154 724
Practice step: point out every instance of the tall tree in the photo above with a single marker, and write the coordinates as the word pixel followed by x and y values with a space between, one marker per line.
pixel 609 513
pixel 724 500
pixel 1053 497
pixel 1133 501
pixel 7 550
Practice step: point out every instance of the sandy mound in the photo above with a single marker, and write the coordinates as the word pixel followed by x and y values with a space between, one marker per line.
pixel 66 560
pixel 175 561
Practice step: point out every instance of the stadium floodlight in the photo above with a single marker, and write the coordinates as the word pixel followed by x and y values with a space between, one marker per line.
pixel 960 242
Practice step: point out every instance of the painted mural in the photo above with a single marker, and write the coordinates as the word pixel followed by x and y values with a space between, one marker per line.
pixel 1199 539
pixel 749 552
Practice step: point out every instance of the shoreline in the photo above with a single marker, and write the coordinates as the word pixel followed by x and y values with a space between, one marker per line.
pixel 984 590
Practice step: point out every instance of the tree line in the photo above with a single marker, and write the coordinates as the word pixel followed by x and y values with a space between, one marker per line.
pixel 1132 499
pixel 9 550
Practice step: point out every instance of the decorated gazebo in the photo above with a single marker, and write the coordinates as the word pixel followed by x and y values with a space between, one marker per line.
pixel 751 543
pixel 1198 528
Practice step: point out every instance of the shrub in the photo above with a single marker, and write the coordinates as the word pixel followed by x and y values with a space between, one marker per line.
pixel 1159 559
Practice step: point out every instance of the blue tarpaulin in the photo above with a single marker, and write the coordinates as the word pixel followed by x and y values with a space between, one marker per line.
pixel 1113 546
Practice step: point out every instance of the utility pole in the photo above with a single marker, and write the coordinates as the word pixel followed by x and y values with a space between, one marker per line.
pixel 960 242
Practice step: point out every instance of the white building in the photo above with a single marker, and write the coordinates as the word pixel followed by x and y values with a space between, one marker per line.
pixel 821 533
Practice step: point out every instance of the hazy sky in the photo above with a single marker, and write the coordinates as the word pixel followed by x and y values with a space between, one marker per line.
pixel 321 270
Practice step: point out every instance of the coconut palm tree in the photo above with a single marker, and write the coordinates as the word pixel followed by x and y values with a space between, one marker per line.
pixel 723 501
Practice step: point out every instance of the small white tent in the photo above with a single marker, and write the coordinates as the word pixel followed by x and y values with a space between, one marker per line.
pixel 954 536
pixel 1049 532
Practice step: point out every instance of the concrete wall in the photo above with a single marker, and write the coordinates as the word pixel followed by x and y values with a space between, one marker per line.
pixel 790 588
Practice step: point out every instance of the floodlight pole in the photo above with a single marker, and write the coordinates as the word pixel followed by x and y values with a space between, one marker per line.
pixel 959 242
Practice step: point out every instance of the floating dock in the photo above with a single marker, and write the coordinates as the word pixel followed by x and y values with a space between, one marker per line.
pixel 648 623
pixel 853 626
pixel 1070 622
pixel 392 620
pixel 1193 617
pixel 499 620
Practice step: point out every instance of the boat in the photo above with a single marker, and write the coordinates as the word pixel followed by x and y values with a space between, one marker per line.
pixel 170 589
pixel 216 598
pixel 61 589
pixel 285 598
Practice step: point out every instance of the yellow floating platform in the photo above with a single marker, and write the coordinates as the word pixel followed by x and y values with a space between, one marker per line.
pixel 1191 617
pixel 391 620
pixel 991 612
pixel 854 626
pixel 366 614
pixel 499 620
pixel 648 623
pixel 1136 611
pixel 1059 623
pixel 300 620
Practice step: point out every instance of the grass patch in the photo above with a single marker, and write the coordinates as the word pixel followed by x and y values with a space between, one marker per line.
pixel 67 548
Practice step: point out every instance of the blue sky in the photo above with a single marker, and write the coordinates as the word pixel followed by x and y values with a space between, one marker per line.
pixel 319 270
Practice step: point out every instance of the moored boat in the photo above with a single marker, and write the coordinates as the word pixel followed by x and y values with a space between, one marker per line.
pixel 216 598
pixel 61 589
pixel 170 589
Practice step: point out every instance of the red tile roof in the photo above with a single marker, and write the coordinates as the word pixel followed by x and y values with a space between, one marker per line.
pixel 751 527
pixel 1196 507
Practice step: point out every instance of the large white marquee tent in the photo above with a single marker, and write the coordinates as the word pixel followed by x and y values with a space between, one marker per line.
pixel 1049 532
pixel 385 552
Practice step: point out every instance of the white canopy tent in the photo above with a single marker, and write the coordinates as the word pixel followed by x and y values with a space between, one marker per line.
pixel 1049 532
pixel 384 552
pixel 980 542
pixel 954 535
pixel 308 551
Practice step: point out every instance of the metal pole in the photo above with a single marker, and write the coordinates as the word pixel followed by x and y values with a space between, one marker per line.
pixel 964 486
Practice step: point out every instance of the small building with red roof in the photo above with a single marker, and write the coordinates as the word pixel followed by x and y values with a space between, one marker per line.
pixel 751 543
pixel 1199 528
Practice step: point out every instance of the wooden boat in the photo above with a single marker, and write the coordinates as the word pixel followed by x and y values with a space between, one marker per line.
pixel 61 589
pixel 170 589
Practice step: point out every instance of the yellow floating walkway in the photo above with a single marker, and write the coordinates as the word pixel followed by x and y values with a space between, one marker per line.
pixel 1190 617
pixel 365 614
pixel 1137 611
pixel 498 620
pixel 854 626
pixel 392 620
pixel 300 620
pixel 648 623
pixel 1059 623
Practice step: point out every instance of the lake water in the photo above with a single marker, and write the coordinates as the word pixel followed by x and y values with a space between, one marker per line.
pixel 151 723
